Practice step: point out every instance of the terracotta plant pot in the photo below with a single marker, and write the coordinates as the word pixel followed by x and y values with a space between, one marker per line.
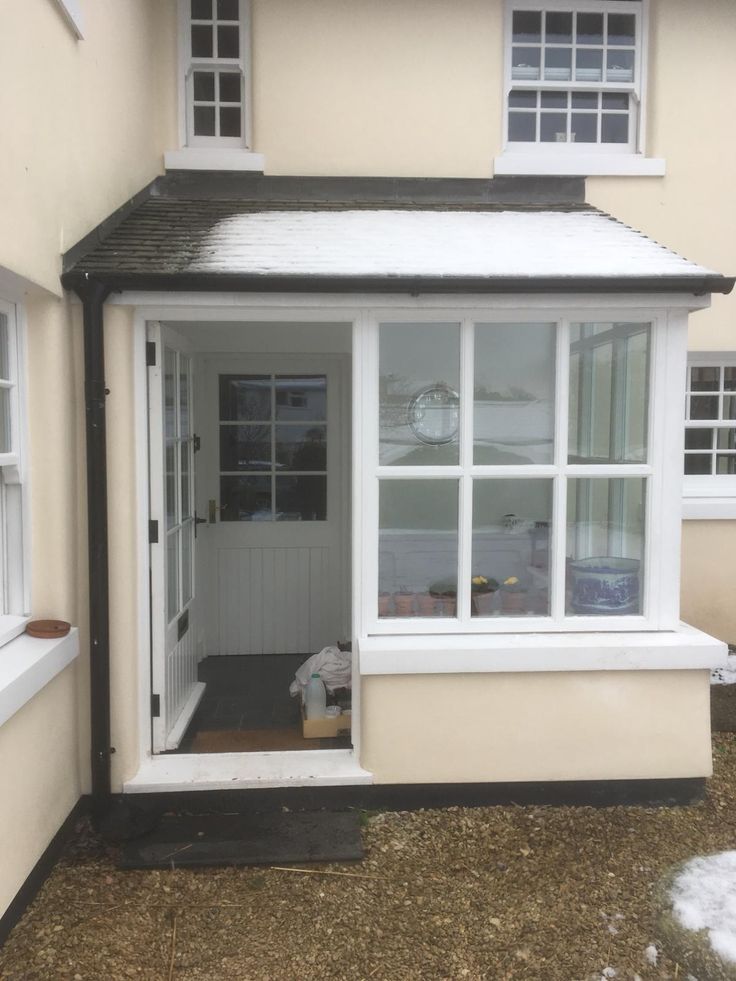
pixel 513 602
pixel 384 604
pixel 404 604
pixel 482 604
pixel 426 605
pixel 448 605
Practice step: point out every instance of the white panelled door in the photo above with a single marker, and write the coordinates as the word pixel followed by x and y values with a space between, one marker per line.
pixel 275 449
pixel 176 691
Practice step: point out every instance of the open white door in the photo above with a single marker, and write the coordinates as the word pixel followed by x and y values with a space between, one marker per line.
pixel 175 689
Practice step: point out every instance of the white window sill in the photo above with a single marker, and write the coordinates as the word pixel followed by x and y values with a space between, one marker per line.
pixel 206 158
pixel 28 664
pixel 579 164
pixel 709 498
pixel 683 649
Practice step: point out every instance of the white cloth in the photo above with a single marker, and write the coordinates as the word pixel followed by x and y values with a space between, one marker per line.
pixel 333 667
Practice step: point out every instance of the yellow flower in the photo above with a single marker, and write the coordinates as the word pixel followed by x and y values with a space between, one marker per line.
pixel 511 581
pixel 479 581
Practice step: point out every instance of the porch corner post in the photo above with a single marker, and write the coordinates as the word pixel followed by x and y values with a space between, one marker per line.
pixel 93 294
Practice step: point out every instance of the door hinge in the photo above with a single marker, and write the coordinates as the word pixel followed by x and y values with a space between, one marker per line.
pixel 150 354
pixel 155 706
pixel 197 443
pixel 153 532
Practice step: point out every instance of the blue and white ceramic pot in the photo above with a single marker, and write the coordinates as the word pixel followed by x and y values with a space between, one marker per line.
pixel 605 585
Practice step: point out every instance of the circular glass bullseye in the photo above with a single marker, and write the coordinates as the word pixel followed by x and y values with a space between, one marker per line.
pixel 434 415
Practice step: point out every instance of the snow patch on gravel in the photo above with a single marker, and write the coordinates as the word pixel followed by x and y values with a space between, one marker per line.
pixel 725 675
pixel 704 898
pixel 651 955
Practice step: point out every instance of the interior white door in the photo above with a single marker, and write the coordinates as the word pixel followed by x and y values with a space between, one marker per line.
pixel 276 450
pixel 175 689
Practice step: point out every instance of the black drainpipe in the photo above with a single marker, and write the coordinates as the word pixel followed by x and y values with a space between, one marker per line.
pixel 93 294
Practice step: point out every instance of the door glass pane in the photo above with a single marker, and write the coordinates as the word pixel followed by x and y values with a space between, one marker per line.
pixel 419 413
pixel 301 498
pixel 510 571
pixel 417 550
pixel 5 440
pixel 609 393
pixel 245 499
pixel 4 352
pixel 301 447
pixel 187 543
pixel 301 398
pixel 245 448
pixel 184 396
pixel 185 448
pixel 172 575
pixel 514 392
pixel 245 398
pixel 170 483
pixel 170 420
pixel 605 546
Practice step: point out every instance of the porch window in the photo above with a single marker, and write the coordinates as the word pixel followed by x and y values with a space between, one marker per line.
pixel 710 437
pixel 215 56
pixel 513 473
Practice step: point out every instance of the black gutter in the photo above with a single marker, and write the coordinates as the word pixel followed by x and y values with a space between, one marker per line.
pixel 414 285
pixel 93 294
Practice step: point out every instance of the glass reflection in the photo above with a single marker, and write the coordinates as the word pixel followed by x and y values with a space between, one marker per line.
pixel 245 398
pixel 301 447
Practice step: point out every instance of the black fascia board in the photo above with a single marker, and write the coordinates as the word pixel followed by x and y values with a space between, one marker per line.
pixel 413 285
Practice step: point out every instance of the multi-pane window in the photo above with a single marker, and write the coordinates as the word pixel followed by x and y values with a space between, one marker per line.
pixel 574 73
pixel 273 447
pixel 484 510
pixel 179 488
pixel 216 72
pixel 12 594
pixel 710 427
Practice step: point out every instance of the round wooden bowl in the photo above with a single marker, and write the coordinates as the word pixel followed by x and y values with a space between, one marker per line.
pixel 48 629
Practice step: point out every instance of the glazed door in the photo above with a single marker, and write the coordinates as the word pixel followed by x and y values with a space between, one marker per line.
pixel 175 689
pixel 277 504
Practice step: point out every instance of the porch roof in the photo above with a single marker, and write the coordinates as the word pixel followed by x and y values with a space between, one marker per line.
pixel 179 243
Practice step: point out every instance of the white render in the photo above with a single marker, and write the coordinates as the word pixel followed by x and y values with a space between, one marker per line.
pixel 446 244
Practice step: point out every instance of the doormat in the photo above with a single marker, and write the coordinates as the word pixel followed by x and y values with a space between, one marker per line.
pixel 246 839
pixel 259 741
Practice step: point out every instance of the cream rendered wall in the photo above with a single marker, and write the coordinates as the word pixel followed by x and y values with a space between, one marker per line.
pixel 519 727
pixel 85 123
pixel 707 594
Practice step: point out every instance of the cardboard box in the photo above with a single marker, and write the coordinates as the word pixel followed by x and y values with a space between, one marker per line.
pixel 325 728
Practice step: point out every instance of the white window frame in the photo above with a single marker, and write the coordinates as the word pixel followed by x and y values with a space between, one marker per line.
pixel 582 158
pixel 662 516
pixel 709 497
pixel 188 65
pixel 14 534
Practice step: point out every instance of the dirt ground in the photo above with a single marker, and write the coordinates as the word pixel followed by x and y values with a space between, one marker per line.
pixel 502 893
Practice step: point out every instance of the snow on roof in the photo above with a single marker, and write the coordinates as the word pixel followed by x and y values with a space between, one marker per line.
pixel 704 898
pixel 434 244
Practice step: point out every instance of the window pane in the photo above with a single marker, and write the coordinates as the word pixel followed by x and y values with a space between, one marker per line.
pixel 523 100
pixel 620 66
pixel 726 464
pixel 703 406
pixel 5 441
pixel 699 439
pixel 4 350
pixel 171 519
pixel 705 379
pixel 585 100
pixel 605 546
pixel 522 127
pixel 588 65
pixel 554 100
pixel 172 575
pixel 245 499
pixel 228 41
pixel 729 407
pixel 301 397
pixel 614 129
pixel 698 463
pixel 202 41
pixel 590 28
pixel 726 439
pixel 229 87
pixel 525 63
pixel 419 403
pixel 227 9
pixel 527 26
pixel 186 502
pixel 616 100
pixel 187 548
pixel 609 393
pixel 553 127
pixel 584 128
pixel 511 520
pixel 558 64
pixel 184 396
pixel 170 420
pixel 204 86
pixel 729 379
pixel 230 119
pixel 417 558
pixel 201 9
pixel 245 398
pixel 621 29
pixel 514 392
pixel 301 498
pixel 204 120
pixel 558 28
pixel 301 447
pixel 245 448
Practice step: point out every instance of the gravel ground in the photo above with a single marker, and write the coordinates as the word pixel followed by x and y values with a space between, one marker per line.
pixel 502 893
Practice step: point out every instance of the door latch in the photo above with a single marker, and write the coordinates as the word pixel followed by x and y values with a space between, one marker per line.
pixel 213 509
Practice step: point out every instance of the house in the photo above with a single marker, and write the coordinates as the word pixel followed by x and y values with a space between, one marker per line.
pixel 321 319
